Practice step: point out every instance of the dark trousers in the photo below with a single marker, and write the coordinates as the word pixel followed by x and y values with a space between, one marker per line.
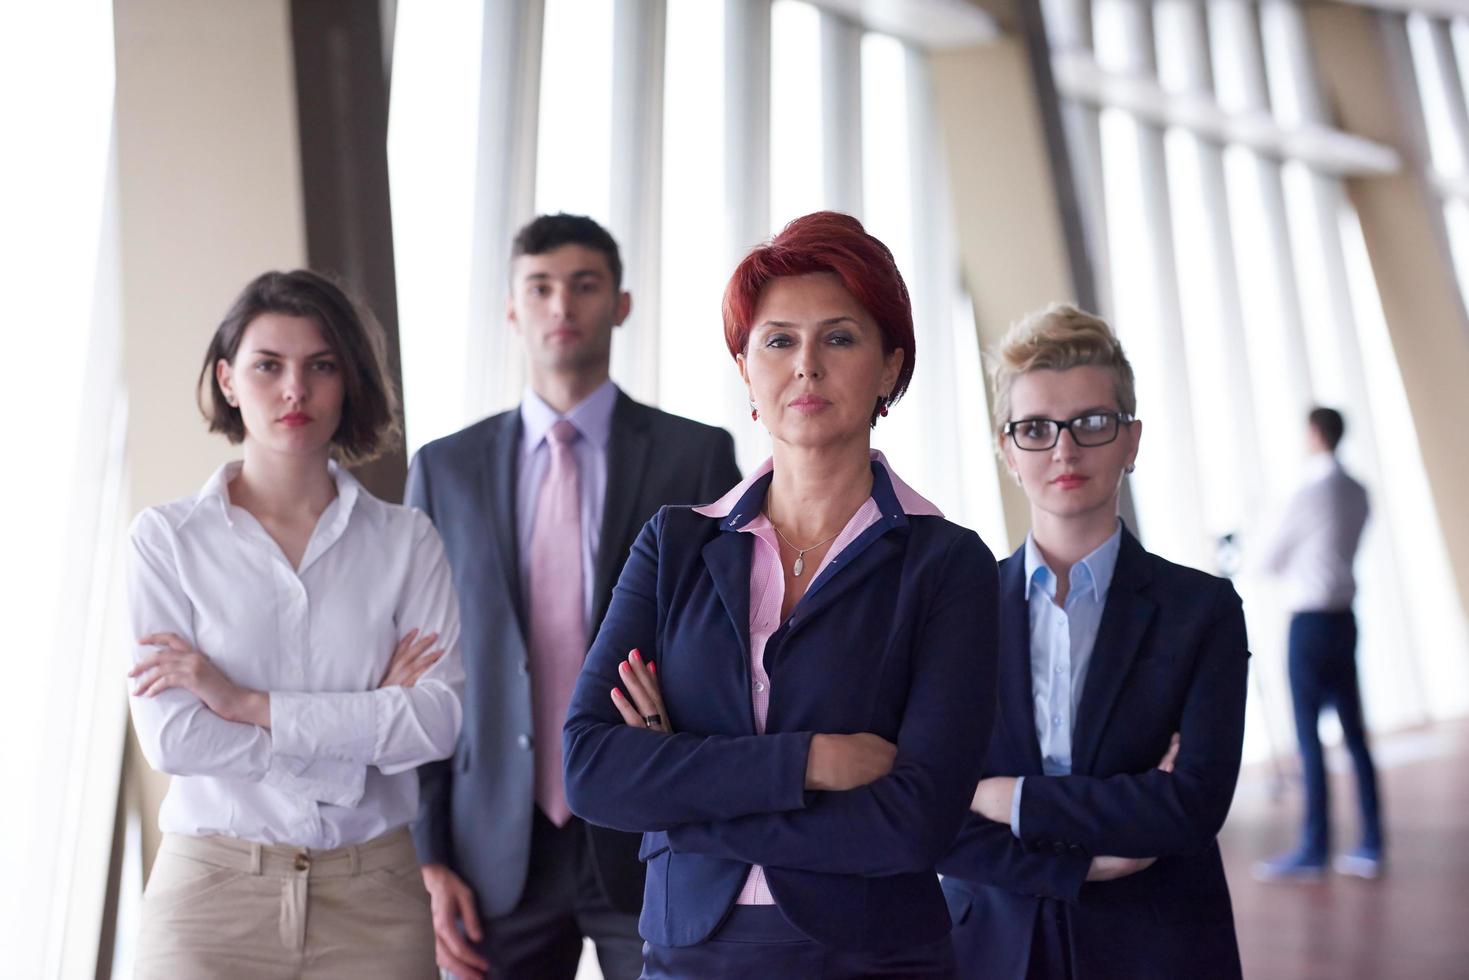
pixel 1323 672
pixel 562 904
pixel 758 941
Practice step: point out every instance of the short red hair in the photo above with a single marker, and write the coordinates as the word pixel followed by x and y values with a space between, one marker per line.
pixel 826 241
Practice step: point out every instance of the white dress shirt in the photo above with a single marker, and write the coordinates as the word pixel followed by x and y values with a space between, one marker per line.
pixel 1317 540
pixel 592 418
pixel 1061 645
pixel 337 764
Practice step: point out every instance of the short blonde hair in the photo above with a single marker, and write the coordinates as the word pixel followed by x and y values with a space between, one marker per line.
pixel 1055 339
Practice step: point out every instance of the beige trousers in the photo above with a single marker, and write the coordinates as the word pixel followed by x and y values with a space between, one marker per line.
pixel 226 908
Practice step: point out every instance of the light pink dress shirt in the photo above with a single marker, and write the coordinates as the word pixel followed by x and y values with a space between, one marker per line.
pixel 767 593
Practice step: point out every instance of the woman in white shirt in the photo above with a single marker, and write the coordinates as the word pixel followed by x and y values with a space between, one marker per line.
pixel 296 658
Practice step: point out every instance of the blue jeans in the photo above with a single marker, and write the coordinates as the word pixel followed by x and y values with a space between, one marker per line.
pixel 1323 672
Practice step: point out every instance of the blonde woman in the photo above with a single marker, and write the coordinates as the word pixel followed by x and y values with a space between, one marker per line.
pixel 1090 851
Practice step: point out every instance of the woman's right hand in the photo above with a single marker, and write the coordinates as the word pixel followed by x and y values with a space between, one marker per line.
pixel 410 659
pixel 841 762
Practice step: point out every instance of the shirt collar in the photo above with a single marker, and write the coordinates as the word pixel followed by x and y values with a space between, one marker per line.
pixel 592 416
pixel 741 510
pixel 1320 465
pixel 217 488
pixel 1096 568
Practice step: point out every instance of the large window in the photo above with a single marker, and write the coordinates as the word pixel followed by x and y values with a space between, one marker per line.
pixel 59 503
pixel 847 118
pixel 1241 286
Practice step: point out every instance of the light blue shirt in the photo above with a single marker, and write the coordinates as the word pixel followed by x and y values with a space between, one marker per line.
pixel 1061 642
pixel 592 417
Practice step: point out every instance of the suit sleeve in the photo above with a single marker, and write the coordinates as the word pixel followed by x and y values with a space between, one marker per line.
pixel 986 853
pixel 431 829
pixel 905 821
pixel 1157 814
pixel 639 780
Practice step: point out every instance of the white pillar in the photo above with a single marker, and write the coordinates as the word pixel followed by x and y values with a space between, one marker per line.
pixel 1149 315
pixel 639 33
pixel 504 197
pixel 841 113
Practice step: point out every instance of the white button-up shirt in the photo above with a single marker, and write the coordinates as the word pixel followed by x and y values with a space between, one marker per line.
pixel 1061 644
pixel 337 764
pixel 1316 543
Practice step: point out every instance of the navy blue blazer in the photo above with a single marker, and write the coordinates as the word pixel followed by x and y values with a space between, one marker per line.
pixel 896 637
pixel 1170 656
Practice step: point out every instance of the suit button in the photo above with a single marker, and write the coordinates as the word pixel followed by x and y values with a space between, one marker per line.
pixel 303 861
pixel 523 741
pixel 1077 849
pixel 1058 848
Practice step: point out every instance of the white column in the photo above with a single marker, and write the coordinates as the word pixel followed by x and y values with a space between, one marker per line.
pixel 1069 28
pixel 747 167
pixel 841 113
pixel 504 196
pixel 1149 314
pixel 1271 303
pixel 639 33
pixel 1218 370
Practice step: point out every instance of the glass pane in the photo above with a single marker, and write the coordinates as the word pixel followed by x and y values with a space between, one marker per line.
pixel 574 148
pixel 432 134
pixel 795 112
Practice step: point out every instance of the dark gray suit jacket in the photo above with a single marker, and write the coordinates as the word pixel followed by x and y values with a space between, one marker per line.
pixel 475 809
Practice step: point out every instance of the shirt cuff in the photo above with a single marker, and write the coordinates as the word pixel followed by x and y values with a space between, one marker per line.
pixel 340 727
pixel 1015 807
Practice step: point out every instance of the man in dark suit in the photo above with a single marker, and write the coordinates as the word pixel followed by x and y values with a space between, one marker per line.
pixel 538 508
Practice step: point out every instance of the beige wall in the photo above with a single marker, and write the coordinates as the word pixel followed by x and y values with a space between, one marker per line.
pixel 1010 237
pixel 209 184
pixel 1402 225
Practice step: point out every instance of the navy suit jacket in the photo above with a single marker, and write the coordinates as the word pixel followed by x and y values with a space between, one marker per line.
pixel 1170 656
pixel 475 808
pixel 896 637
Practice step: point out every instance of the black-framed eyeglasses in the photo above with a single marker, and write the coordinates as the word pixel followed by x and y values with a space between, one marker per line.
pixel 1092 429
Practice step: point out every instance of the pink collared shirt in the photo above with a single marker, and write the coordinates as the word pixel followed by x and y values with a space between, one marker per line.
pixel 767 593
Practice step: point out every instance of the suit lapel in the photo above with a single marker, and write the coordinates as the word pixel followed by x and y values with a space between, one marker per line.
pixel 1016 701
pixel 728 558
pixel 628 448
pixel 1125 620
pixel 502 469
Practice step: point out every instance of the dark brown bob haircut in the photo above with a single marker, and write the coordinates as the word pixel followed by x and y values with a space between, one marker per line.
pixel 370 424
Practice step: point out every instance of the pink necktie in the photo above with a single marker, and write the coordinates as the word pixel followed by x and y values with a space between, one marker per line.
pixel 558 632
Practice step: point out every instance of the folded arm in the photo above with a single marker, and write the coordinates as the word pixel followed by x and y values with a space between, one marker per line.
pixel 906 820
pixel 1158 813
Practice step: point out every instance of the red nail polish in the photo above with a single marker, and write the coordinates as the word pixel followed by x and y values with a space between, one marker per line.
pixel 652 667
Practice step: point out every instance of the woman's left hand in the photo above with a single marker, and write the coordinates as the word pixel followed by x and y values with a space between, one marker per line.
pixel 642 705
pixel 176 664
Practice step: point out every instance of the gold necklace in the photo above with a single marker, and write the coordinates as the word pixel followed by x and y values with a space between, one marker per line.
pixel 800 564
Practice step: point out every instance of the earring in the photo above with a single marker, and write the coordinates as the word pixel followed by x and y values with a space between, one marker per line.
pixel 882 406
pixel 1130 467
pixel 754 413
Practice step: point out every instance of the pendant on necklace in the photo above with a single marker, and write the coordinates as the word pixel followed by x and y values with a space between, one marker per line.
pixel 800 565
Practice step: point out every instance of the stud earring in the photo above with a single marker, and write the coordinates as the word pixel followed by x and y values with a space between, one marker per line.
pixel 1130 467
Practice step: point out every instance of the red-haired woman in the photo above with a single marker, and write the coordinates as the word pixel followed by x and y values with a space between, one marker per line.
pixel 825 647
